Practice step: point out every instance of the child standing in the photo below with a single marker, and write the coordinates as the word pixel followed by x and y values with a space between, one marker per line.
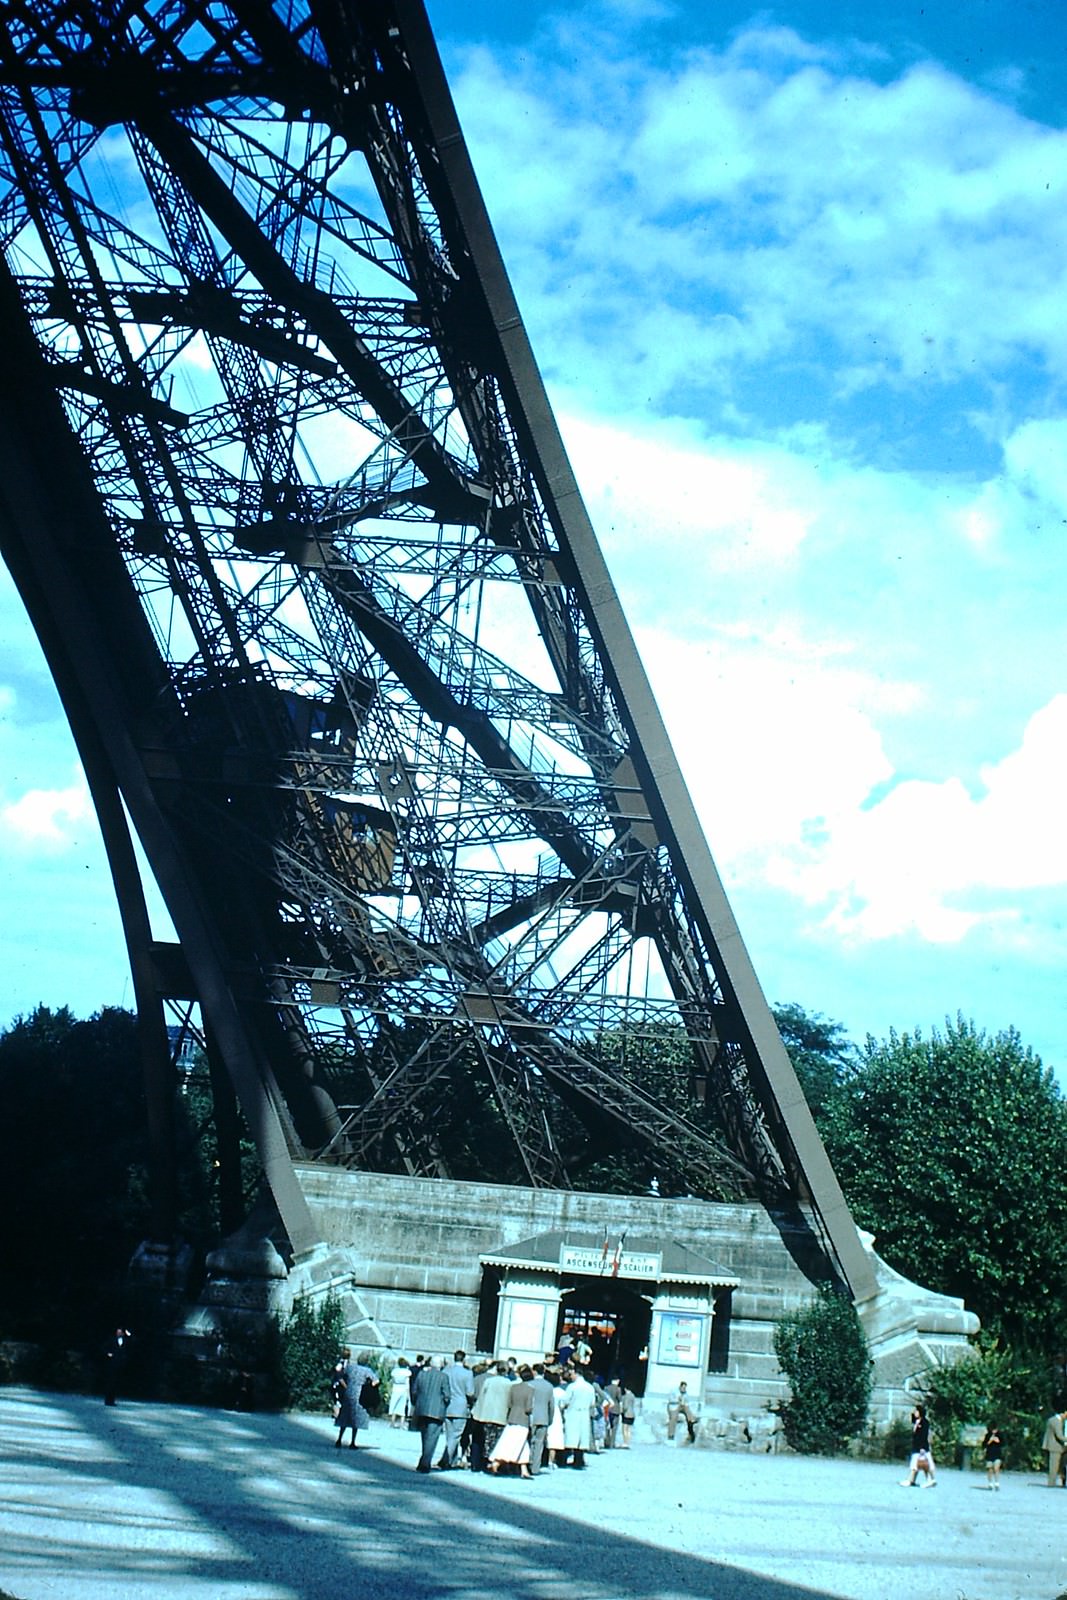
pixel 993 1445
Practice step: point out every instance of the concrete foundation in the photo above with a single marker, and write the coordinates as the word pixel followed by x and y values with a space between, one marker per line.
pixel 422 1266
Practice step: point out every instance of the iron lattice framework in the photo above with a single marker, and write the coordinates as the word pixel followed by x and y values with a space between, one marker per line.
pixel 290 513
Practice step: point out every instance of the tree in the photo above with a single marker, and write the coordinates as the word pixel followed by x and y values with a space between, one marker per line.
pixel 993 1387
pixel 219 1170
pixel 819 1049
pixel 311 1339
pixel 823 1353
pixel 952 1150
pixel 73 1171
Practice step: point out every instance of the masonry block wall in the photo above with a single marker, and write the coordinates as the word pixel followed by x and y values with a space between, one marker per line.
pixel 415 1246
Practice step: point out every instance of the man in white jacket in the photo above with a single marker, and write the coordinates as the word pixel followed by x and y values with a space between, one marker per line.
pixel 576 1400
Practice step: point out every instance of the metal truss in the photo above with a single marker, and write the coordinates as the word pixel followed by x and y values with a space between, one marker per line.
pixel 380 724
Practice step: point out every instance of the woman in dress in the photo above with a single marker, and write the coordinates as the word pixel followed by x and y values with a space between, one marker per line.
pixel 627 1414
pixel 400 1395
pixel 554 1441
pixel 357 1375
pixel 922 1455
pixel 513 1446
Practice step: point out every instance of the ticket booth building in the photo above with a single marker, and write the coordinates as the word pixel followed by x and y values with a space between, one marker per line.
pixel 645 1306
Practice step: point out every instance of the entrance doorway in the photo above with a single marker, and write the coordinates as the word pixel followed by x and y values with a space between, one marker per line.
pixel 614 1321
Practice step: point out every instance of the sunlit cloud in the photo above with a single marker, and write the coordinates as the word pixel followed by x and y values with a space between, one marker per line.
pixel 776 744
pixel 771 201
pixel 47 821
pixel 934 859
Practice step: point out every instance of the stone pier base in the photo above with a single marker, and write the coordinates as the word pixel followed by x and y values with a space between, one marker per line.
pixel 428 1266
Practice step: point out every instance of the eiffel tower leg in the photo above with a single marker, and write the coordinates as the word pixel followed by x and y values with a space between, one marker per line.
pixel 373 707
pixel 50 516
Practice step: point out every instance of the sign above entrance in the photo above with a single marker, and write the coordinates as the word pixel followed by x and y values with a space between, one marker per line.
pixel 610 1263
pixel 612 1255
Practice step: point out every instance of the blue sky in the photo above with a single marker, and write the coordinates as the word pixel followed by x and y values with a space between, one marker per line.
pixel 796 281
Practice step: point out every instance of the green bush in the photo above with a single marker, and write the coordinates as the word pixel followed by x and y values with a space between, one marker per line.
pixel 993 1385
pixel 823 1353
pixel 311 1338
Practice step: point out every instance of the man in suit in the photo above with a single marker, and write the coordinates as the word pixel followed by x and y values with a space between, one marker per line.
pixel 681 1404
pixel 1055 1443
pixel 115 1357
pixel 460 1395
pixel 429 1403
pixel 544 1409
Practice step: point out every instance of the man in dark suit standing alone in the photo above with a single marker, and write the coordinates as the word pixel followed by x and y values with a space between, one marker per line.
pixel 115 1358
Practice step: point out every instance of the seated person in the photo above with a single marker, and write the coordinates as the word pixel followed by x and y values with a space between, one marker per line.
pixel 680 1404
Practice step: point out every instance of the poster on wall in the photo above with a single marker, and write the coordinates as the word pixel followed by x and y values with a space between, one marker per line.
pixel 526 1326
pixel 681 1339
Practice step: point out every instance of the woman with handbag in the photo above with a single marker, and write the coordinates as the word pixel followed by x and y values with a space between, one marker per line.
pixel 922 1456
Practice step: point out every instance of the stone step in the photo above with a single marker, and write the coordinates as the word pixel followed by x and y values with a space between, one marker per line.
pixel 756 1433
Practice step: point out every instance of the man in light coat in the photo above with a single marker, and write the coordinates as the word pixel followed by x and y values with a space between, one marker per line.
pixel 681 1404
pixel 576 1401
pixel 491 1407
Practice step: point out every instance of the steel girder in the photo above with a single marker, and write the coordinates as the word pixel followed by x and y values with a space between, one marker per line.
pixel 346 643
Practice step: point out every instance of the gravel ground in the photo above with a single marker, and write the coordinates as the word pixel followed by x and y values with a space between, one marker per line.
pixel 154 1502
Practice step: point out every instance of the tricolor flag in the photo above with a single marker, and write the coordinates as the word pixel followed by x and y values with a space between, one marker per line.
pixel 617 1259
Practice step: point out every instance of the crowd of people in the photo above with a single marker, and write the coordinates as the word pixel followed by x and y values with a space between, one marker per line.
pixel 497 1416
pixel 504 1416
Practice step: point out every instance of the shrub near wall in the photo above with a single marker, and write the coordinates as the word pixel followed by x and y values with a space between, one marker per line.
pixel 823 1353
pixel 311 1340
pixel 994 1386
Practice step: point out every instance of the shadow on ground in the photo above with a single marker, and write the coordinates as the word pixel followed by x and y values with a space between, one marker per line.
pixel 148 1500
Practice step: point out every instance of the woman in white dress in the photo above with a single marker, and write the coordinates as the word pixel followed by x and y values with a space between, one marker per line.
pixel 513 1446
pixel 400 1398
pixel 554 1441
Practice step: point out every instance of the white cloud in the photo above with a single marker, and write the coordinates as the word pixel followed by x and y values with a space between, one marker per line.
pixel 930 857
pixel 773 736
pixel 771 201
pixel 723 505
pixel 795 611
pixel 1027 498
pixel 47 820
pixel 1035 457
pixel 707 529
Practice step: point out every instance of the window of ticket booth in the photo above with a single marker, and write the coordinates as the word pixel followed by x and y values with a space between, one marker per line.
pixel 614 1321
